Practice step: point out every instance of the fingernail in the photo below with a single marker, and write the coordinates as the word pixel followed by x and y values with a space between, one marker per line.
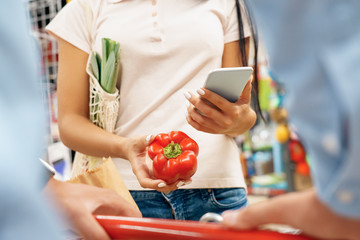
pixel 181 183
pixel 187 95
pixel 187 104
pixel 186 114
pixel 187 182
pixel 161 185
pixel 200 91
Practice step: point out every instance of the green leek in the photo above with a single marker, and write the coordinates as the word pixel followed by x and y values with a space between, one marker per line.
pixel 106 68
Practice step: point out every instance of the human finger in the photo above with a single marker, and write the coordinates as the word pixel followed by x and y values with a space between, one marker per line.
pixel 142 173
pixel 222 104
pixel 227 116
pixel 202 105
pixel 203 121
pixel 149 139
pixel 271 211
pixel 198 126
pixel 183 182
pixel 114 204
pixel 169 187
pixel 89 228
pixel 245 96
pixel 147 181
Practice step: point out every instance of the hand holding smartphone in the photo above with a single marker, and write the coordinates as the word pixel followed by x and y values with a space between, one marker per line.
pixel 228 82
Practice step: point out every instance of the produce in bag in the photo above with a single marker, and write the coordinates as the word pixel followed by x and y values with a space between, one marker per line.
pixel 104 107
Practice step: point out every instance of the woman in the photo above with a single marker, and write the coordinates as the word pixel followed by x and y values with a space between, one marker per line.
pixel 167 49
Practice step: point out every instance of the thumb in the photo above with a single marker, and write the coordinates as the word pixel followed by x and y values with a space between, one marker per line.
pixel 89 228
pixel 246 93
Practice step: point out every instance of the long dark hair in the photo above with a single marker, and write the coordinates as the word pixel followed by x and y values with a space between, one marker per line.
pixel 244 57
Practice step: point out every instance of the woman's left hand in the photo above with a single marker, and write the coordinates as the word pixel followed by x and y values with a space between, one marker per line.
pixel 136 154
pixel 212 113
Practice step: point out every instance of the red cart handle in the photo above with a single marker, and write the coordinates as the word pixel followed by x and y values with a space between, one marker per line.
pixel 163 229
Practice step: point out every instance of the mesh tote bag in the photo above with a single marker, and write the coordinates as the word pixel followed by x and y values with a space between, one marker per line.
pixel 103 108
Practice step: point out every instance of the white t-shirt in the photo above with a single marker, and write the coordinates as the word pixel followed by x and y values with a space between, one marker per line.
pixel 167 47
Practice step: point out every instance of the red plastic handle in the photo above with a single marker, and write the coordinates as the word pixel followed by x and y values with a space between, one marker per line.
pixel 163 229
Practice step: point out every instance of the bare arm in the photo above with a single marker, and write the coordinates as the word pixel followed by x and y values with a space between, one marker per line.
pixel 232 56
pixel 302 210
pixel 226 118
pixel 79 134
pixel 76 130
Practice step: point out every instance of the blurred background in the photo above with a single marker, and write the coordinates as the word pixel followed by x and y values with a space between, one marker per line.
pixel 272 155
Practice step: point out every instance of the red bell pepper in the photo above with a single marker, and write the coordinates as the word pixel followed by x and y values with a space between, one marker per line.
pixel 297 151
pixel 174 156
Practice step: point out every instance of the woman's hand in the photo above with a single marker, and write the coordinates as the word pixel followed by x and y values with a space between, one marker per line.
pixel 212 113
pixel 78 203
pixel 301 210
pixel 137 150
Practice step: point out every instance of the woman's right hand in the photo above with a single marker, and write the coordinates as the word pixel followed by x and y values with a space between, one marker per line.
pixel 136 154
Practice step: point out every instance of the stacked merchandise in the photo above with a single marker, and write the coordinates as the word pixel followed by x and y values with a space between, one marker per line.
pixel 275 159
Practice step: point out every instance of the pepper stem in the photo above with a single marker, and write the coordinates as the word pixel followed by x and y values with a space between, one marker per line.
pixel 172 150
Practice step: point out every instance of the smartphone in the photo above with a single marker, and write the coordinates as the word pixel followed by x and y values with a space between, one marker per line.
pixel 228 82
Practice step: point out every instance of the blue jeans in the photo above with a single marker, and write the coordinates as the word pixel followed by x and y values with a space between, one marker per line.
pixel 189 204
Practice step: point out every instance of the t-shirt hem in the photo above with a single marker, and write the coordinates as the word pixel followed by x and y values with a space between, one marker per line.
pixel 234 37
pixel 198 183
pixel 231 38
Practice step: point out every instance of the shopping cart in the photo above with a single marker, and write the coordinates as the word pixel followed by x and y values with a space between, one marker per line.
pixel 163 229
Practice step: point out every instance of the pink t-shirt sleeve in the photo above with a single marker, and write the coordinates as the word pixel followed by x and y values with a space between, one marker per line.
pixel 73 24
pixel 231 29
